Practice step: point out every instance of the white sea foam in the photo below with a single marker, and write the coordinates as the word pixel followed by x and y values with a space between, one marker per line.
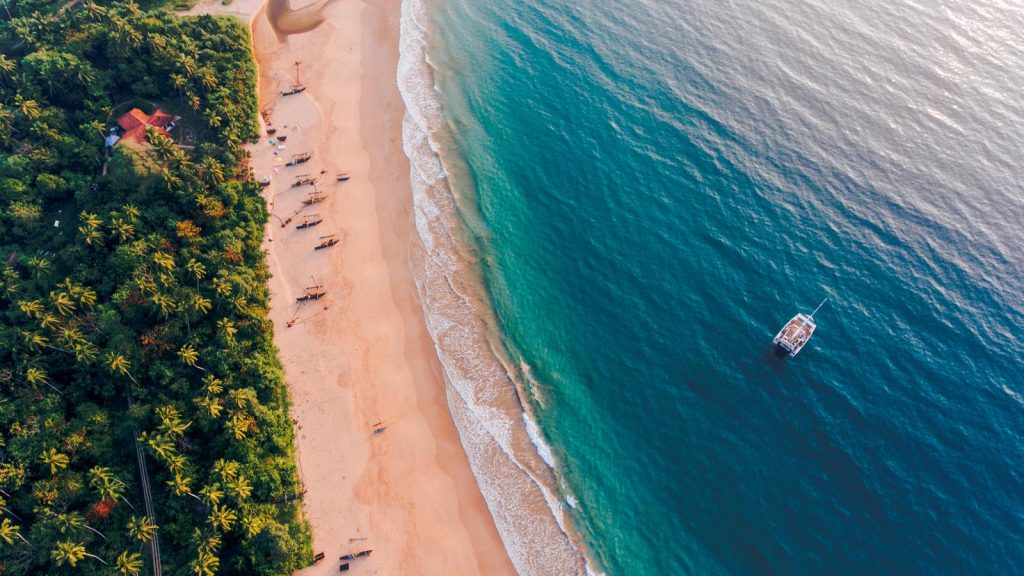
pixel 512 463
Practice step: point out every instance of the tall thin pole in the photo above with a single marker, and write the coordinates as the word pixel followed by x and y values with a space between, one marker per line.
pixel 819 306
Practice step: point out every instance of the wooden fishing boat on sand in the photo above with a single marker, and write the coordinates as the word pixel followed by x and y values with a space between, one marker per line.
pixel 296 87
pixel 342 177
pixel 326 242
pixel 299 159
pixel 302 180
pixel 310 221
pixel 796 333
pixel 314 198
pixel 314 292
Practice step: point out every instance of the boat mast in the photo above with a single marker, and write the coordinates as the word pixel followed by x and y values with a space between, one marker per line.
pixel 819 306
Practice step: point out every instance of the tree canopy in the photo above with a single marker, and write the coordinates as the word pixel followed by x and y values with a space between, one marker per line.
pixel 133 304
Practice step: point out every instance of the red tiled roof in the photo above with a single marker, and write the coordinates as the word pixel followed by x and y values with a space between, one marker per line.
pixel 135 121
pixel 132 119
pixel 160 119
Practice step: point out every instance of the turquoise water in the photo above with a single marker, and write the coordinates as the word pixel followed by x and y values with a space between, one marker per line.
pixel 661 185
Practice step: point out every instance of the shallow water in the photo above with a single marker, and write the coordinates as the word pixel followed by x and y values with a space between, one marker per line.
pixel 653 191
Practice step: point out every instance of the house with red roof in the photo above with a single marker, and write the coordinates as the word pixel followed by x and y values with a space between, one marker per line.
pixel 134 123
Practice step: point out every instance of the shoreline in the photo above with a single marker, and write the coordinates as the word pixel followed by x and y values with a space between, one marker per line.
pixel 489 396
pixel 360 358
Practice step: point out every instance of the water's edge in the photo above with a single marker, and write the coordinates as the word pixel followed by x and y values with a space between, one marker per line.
pixel 501 441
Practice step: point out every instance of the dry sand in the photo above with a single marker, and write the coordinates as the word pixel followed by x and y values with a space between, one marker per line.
pixel 360 355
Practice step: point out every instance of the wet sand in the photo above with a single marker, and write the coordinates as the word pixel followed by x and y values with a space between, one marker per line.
pixel 360 357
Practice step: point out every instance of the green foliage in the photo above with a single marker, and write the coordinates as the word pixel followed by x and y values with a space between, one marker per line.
pixel 142 313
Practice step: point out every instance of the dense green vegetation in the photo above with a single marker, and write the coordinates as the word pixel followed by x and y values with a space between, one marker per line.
pixel 139 317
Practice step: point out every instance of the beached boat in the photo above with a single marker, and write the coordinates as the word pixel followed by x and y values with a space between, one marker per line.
pixel 312 293
pixel 297 87
pixel 342 177
pixel 299 159
pixel 310 221
pixel 314 198
pixel 326 242
pixel 797 332
pixel 302 180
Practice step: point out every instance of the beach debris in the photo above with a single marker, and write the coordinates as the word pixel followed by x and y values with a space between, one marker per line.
pixel 310 221
pixel 299 158
pixel 326 242
pixel 297 87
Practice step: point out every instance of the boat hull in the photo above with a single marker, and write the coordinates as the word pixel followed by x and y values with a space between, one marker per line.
pixel 794 335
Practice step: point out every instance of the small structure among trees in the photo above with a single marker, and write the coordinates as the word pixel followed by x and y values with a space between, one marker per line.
pixel 134 123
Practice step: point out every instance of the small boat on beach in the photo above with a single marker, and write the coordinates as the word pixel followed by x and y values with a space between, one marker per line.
pixel 314 292
pixel 314 198
pixel 302 180
pixel 297 86
pixel 797 332
pixel 299 159
pixel 342 177
pixel 326 242
pixel 310 221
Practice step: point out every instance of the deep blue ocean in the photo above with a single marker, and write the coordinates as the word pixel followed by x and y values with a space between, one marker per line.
pixel 661 185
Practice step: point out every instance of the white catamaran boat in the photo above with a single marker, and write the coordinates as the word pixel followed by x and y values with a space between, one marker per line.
pixel 795 334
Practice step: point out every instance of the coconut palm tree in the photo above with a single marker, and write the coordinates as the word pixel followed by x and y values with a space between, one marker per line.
pixel 128 564
pixel 205 564
pixel 55 460
pixel 142 529
pixel 68 552
pixel 9 531
pixel 222 518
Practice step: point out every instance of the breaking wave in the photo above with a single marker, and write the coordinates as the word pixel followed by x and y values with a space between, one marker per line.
pixel 512 464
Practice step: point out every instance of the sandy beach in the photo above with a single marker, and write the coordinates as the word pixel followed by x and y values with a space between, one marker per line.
pixel 359 358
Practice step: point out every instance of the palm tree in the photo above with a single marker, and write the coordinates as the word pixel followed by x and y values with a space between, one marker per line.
pixel 7 66
pixel 55 460
pixel 205 564
pixel 171 423
pixel 142 529
pixel 240 487
pixel 68 552
pixel 106 485
pixel 9 531
pixel 222 518
pixel 95 11
pixel 252 524
pixel 73 520
pixel 189 356
pixel 29 108
pixel 182 486
pixel 227 328
pixel 128 564
pixel 212 494
pixel 197 270
pixel 39 266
